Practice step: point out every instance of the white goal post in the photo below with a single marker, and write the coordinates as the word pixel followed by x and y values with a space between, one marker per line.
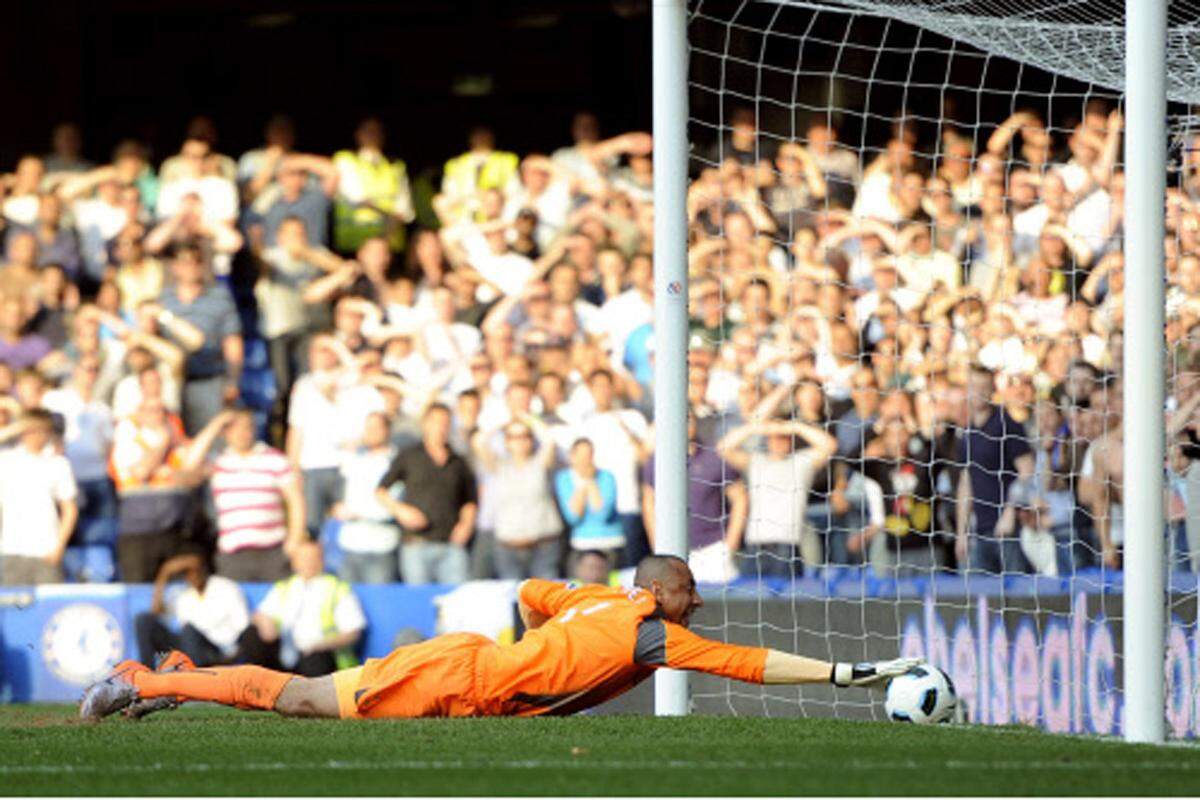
pixel 1145 185
pixel 1105 42
pixel 670 66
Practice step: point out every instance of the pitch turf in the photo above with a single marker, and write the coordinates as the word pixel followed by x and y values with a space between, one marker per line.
pixel 206 751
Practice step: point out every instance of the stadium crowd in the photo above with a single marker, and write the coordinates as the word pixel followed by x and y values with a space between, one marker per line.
pixel 898 359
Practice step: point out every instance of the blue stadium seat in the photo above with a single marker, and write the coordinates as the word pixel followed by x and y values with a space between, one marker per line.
pixel 329 544
pixel 257 388
pixel 261 421
pixel 256 354
pixel 90 563
pixel 96 530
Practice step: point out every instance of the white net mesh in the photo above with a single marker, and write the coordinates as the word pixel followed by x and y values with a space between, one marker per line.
pixel 1082 39
pixel 905 255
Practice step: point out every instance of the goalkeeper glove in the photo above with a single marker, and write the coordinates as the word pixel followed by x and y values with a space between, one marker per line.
pixel 870 674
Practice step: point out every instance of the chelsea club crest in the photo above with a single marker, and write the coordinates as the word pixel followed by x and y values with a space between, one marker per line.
pixel 81 642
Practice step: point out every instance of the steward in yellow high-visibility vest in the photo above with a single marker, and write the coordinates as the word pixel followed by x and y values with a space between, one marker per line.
pixel 329 591
pixel 374 197
pixel 479 169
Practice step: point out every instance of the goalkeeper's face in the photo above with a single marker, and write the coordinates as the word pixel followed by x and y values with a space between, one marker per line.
pixel 676 594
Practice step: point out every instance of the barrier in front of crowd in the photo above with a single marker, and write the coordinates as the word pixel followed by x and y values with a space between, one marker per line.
pixel 54 640
pixel 1046 656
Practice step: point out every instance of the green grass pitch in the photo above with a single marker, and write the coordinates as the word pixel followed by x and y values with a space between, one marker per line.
pixel 211 751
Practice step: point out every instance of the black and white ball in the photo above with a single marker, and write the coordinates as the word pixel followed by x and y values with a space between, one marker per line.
pixel 924 695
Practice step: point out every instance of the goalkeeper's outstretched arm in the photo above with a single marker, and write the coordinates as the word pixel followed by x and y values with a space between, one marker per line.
pixel 783 667
pixel 666 644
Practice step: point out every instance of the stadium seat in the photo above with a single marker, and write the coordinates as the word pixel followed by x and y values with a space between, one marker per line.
pixel 90 563
pixel 257 388
pixel 256 354
pixel 95 531
pixel 329 544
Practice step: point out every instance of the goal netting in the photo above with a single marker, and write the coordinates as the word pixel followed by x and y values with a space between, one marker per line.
pixel 905 258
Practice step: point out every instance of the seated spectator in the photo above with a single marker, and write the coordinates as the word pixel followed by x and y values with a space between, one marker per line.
pixel 592 566
pixel 369 537
pixel 209 615
pixel 154 494
pixel 439 507
pixel 259 504
pixel 37 503
pixel 527 524
pixel 587 498
pixel 309 624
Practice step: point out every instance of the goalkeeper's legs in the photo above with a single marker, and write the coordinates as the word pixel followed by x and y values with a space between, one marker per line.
pixel 246 687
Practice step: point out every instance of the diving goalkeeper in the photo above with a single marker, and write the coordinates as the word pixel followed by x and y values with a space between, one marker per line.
pixel 584 645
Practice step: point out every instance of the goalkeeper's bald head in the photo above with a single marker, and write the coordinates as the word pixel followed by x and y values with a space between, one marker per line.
pixel 670 580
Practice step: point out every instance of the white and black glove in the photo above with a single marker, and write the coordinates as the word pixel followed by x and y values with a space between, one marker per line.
pixel 871 674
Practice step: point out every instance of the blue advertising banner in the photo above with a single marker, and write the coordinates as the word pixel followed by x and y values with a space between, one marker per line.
pixel 55 640
pixel 1050 660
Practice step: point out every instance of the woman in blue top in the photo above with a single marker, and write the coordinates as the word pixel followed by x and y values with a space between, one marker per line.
pixel 588 500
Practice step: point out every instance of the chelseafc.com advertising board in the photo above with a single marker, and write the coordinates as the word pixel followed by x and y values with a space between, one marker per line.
pixel 1047 660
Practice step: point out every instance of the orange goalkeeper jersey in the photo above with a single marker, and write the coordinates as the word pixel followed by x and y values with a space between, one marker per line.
pixel 598 643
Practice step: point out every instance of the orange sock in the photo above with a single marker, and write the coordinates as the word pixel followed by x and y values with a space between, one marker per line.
pixel 243 686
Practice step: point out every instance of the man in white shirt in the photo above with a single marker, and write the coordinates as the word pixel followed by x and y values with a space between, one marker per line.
pixel 922 266
pixel 445 341
pixel 543 186
pixel 486 248
pixel 210 611
pixel 621 437
pixel 98 219
pixel 198 174
pixel 369 536
pixel 315 431
pixel 37 503
pixel 87 438
pixel 309 623
pixel 778 482
pixel 631 309
pixel 885 279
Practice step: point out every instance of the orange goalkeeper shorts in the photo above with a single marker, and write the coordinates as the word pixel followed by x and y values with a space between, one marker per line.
pixel 434 678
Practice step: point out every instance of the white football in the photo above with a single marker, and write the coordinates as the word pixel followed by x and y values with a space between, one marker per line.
pixel 924 695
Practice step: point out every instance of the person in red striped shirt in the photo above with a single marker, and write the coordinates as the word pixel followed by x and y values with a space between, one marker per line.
pixel 258 499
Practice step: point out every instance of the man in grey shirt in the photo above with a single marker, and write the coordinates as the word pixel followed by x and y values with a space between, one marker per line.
pixel 212 372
